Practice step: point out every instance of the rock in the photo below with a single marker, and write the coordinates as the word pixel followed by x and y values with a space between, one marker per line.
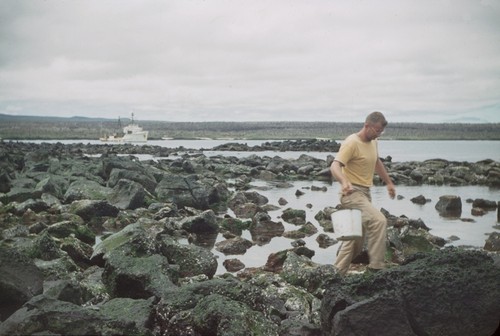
pixel 415 240
pixel 299 192
pixel 305 170
pixel 19 230
pixel 294 327
pixel 133 239
pixel 493 242
pixel 314 145
pixel 275 261
pixel 83 189
pixel 301 271
pixel 417 176
pixel 54 185
pixel 5 182
pixel 234 225
pixel 169 210
pixel 138 277
pixel 30 205
pixel 418 224
pixel 235 245
pixel 416 296
pixel 305 230
pixel 478 212
pixel 233 265
pixel 144 178
pixel 324 217
pixel 325 240
pixel 247 210
pixel 267 175
pixel 294 234
pixel 190 191
pixel 294 216
pixel 155 285
pixel 191 260
pixel 127 163
pixel 78 251
pixel 64 290
pixel 278 165
pixel 263 228
pixel 88 209
pixel 17 194
pixel 206 222
pixel 137 313
pixel 449 206
pixel 315 188
pixel 127 194
pixel 282 201
pixel 57 269
pixel 216 312
pixel 71 228
pixel 20 280
pixel 255 197
pixel 188 308
pixel 419 200
pixel 93 289
pixel 42 314
pixel 45 247
pixel 484 204
pixel 247 204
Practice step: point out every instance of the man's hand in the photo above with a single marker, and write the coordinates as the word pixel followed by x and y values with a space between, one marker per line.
pixel 347 188
pixel 391 190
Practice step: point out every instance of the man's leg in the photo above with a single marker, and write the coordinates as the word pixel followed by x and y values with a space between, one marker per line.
pixel 347 251
pixel 376 238
pixel 374 227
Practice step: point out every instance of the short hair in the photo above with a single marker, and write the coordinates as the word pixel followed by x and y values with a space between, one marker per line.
pixel 375 118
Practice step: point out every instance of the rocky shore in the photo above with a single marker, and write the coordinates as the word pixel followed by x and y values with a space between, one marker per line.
pixel 95 242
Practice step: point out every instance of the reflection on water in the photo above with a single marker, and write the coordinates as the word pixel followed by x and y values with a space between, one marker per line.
pixel 472 233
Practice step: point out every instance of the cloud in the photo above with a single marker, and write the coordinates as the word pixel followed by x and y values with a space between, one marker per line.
pixel 251 60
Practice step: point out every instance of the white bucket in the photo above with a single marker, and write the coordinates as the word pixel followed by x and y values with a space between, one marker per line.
pixel 347 224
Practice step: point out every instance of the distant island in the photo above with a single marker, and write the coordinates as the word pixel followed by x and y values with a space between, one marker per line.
pixel 58 128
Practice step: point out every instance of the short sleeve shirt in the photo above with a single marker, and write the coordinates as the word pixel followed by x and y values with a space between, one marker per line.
pixel 358 159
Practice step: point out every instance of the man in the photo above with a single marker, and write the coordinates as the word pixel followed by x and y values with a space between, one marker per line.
pixel 354 168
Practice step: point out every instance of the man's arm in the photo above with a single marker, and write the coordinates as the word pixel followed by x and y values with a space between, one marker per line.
pixel 382 172
pixel 336 170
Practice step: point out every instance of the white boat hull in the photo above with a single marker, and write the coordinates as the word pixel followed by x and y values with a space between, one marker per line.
pixel 127 138
pixel 131 133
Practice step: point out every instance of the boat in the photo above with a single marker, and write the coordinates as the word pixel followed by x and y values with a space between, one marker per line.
pixel 131 133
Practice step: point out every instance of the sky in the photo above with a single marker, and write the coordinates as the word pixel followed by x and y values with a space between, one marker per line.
pixel 252 60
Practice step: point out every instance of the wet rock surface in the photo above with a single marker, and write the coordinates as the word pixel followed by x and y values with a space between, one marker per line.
pixel 93 242
pixel 416 298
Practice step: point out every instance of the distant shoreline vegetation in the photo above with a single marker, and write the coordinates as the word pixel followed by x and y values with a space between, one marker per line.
pixel 74 128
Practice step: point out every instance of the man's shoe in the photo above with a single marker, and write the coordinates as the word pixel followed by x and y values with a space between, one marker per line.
pixel 370 270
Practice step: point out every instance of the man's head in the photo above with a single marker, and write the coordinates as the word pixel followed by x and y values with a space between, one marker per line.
pixel 375 124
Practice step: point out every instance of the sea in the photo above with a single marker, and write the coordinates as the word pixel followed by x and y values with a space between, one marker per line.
pixel 467 231
pixel 398 150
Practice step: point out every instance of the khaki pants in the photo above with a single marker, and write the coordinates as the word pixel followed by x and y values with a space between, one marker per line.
pixel 374 231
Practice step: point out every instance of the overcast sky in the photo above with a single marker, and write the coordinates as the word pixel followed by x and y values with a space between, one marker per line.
pixel 252 60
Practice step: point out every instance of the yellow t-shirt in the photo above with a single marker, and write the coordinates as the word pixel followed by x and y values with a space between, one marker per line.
pixel 358 159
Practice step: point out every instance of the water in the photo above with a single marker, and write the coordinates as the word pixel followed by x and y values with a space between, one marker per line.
pixel 470 233
pixel 400 151
pixel 471 151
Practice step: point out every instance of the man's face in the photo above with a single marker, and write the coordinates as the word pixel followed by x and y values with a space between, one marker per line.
pixel 375 130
